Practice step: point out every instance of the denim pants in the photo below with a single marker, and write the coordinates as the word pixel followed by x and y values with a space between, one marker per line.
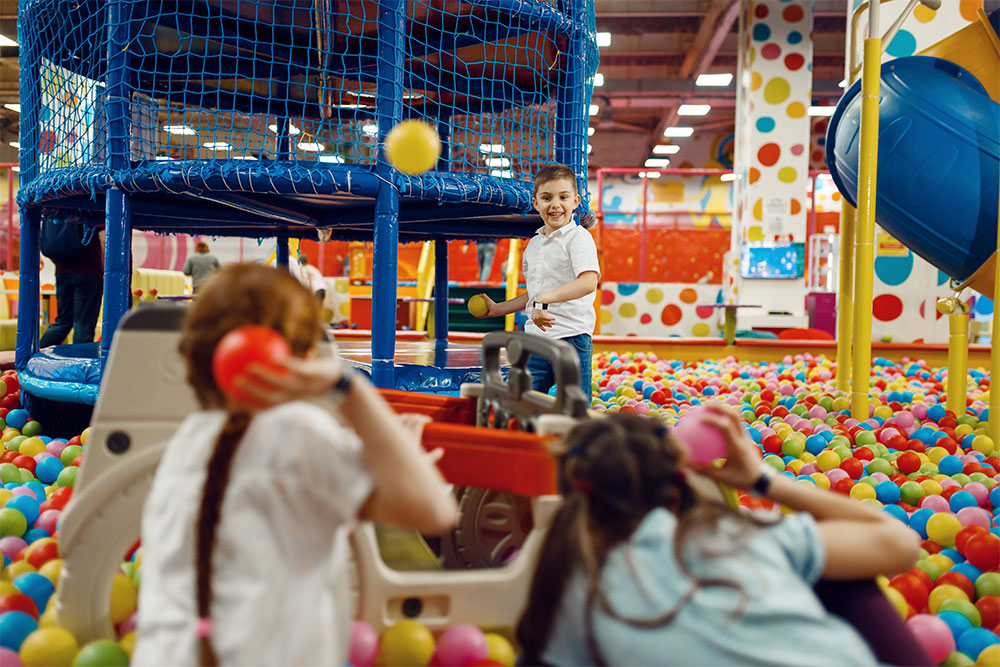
pixel 78 298
pixel 543 377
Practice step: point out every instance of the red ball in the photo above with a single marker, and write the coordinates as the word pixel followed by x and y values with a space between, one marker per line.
pixel 965 533
pixel 959 581
pixel 983 551
pixel 864 454
pixel 948 444
pixel 908 462
pixel 843 485
pixel 912 588
pixel 43 553
pixel 989 610
pixel 18 602
pixel 11 401
pixel 241 347
pixel 25 462
pixel 931 547
pixel 8 456
pixel 916 446
pixel 853 467
pixel 772 444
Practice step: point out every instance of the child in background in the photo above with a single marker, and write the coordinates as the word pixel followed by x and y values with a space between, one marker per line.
pixel 561 271
pixel 200 266
pixel 310 276
pixel 638 569
pixel 245 529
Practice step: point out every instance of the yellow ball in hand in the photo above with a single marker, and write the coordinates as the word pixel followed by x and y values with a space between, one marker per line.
pixel 413 147
pixel 477 306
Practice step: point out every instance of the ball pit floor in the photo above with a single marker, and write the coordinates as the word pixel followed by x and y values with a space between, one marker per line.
pixel 936 471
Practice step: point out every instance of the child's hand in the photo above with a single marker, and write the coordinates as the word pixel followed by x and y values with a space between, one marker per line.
pixel 297 379
pixel 414 423
pixel 742 460
pixel 543 319
pixel 491 308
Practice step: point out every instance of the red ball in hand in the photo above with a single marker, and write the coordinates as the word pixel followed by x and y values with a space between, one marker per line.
pixel 241 347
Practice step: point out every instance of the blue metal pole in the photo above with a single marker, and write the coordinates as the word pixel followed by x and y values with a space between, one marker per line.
pixel 571 111
pixel 284 153
pixel 441 289
pixel 118 205
pixel 282 252
pixel 389 91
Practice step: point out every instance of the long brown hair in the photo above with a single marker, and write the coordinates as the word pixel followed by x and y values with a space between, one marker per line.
pixel 616 469
pixel 235 296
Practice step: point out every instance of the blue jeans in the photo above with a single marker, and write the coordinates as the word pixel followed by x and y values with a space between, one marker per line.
pixel 543 377
pixel 78 298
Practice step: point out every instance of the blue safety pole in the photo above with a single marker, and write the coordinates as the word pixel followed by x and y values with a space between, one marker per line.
pixel 282 252
pixel 284 153
pixel 118 205
pixel 441 289
pixel 571 104
pixel 389 91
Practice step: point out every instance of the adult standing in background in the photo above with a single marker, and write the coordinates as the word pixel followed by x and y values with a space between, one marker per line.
pixel 310 276
pixel 79 259
pixel 201 265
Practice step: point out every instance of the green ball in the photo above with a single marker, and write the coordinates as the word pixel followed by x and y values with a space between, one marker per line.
pixel 792 447
pixel 26 476
pixel 32 429
pixel 9 473
pixel 961 478
pixel 933 571
pixel 843 452
pixel 70 453
pixel 800 410
pixel 12 523
pixel 880 465
pixel 957 659
pixel 14 443
pixel 963 607
pixel 101 653
pixel 869 480
pixel 928 469
pixel 864 438
pixel 826 403
pixel 978 477
pixel 967 419
pixel 775 462
pixel 3 423
pixel 67 477
pixel 911 492
pixel 988 583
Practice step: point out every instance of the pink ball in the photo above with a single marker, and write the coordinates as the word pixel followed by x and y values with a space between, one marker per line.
pixel 704 442
pixel 55 447
pixel 836 474
pixel 24 491
pixel 809 469
pixel 886 434
pixel 936 503
pixel 9 658
pixel 979 491
pixel 460 645
pixel 11 546
pixel 934 635
pixel 787 390
pixel 364 645
pixel 47 520
pixel 903 419
pixel 128 625
pixel 817 412
pixel 42 455
pixel 969 516
pixel 919 411
pixel 945 483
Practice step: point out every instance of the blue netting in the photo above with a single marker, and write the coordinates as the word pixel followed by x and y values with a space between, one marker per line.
pixel 234 114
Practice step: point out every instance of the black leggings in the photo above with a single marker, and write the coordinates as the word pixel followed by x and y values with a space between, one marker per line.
pixel 864 607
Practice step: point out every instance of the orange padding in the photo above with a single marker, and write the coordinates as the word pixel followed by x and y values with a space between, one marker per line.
pixel 450 409
pixel 494 459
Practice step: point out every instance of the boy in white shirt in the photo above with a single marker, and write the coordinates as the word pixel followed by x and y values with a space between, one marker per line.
pixel 561 269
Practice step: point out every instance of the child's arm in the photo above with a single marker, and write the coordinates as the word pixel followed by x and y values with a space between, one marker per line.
pixel 494 309
pixel 584 284
pixel 860 541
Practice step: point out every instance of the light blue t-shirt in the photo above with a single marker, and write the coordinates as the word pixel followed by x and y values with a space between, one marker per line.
pixel 783 623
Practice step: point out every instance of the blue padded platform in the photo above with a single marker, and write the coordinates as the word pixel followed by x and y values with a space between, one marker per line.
pixel 424 366
pixel 64 373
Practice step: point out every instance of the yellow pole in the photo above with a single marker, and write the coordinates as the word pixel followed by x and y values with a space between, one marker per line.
pixel 845 298
pixel 958 359
pixel 994 427
pixel 513 269
pixel 425 284
pixel 868 168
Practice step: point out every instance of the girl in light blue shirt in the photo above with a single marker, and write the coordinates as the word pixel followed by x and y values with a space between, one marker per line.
pixel 638 568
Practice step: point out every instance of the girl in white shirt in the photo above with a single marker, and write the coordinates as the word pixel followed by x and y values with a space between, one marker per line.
pixel 245 529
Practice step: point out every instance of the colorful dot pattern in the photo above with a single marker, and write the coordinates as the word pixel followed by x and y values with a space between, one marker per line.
pixel 659 309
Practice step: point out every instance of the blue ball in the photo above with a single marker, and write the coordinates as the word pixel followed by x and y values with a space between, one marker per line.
pixel 967 570
pixel 17 418
pixel 960 500
pixel 919 519
pixel 26 505
pixel 995 496
pixel 950 465
pixel 887 492
pixel 35 586
pixel 34 534
pixel 37 488
pixel 956 622
pixel 815 444
pixel 936 412
pixel 15 626
pixel 896 511
pixel 954 555
pixel 972 642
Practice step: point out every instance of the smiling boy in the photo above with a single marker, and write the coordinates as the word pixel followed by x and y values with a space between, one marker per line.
pixel 561 270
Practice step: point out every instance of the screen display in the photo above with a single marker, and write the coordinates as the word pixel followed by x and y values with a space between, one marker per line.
pixel 772 260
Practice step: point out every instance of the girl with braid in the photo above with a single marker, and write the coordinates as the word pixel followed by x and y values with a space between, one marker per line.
pixel 638 568
pixel 244 532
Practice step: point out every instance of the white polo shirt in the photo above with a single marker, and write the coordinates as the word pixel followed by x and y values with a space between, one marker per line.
pixel 552 261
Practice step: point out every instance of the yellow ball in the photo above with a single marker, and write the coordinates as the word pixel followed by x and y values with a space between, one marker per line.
pixel 406 643
pixel 48 647
pixel 124 598
pixel 5 495
pixel 828 460
pixel 862 491
pixel 942 527
pixel 8 587
pixel 989 656
pixel 822 481
pixel 943 562
pixel 935 454
pixel 796 465
pixel 17 568
pixel 942 594
pixel 477 306
pixel 128 643
pixel 413 147
pixel 51 571
pixel 898 602
pixel 48 618
pixel 31 447
pixel 981 443
pixel 499 649
pixel 85 436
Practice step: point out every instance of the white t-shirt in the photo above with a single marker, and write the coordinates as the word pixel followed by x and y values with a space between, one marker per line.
pixel 311 277
pixel 552 261
pixel 279 583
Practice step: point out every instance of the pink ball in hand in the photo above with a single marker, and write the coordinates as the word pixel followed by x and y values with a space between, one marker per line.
pixel 703 441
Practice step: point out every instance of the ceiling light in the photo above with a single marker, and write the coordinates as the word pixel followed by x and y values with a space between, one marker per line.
pixel 218 146
pixel 656 163
pixel 292 130
pixel 649 174
pixel 311 146
pixel 498 162
pixel 728 177
pixel 162 158
pixel 594 109
pixel 714 79
pixel 664 149
pixel 15 144
pixel 336 159
pixel 679 131
pixel 370 130
pixel 598 80
pixel 590 131
pixel 15 169
pixel 843 83
pixel 243 157
pixel 821 111
pixel 179 129
pixel 7 41
pixel 502 174
pixel 491 148
pixel 693 109
pixel 13 107
pixel 590 149
pixel 604 39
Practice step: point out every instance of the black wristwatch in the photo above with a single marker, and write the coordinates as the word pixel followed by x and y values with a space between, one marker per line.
pixel 539 306
pixel 343 384
pixel 763 483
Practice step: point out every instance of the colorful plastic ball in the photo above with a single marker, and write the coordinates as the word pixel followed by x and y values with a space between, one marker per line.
pixel 104 653
pixel 912 588
pixel 941 594
pixel 963 607
pixel 942 528
pixel 975 641
pixel 48 469
pixel 406 643
pixel 69 454
pixel 989 656
pixel 460 645
pixel 957 623
pixel 18 602
pixel 15 626
pixel 961 500
pixel 957 659
pixel 887 492
pixel 49 647
pixel 899 603
pixel 12 523
pixel 26 505
pixel 244 346
pixel 124 598
pixel 364 645
pixel 703 441
pixel 933 634
pixel 988 583
pixel 958 580
pixel 9 658
pixel 983 551
pixel 67 477
pixel 17 418
pixel 413 147
pixel 35 586
pixel 967 532
pixel 989 610
pixel 500 650
pixel 919 519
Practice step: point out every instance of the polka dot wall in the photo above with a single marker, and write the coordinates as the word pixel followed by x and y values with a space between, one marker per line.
pixel 665 309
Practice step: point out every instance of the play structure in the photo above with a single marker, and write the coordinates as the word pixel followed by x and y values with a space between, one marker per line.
pixel 139 117
pixel 926 129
